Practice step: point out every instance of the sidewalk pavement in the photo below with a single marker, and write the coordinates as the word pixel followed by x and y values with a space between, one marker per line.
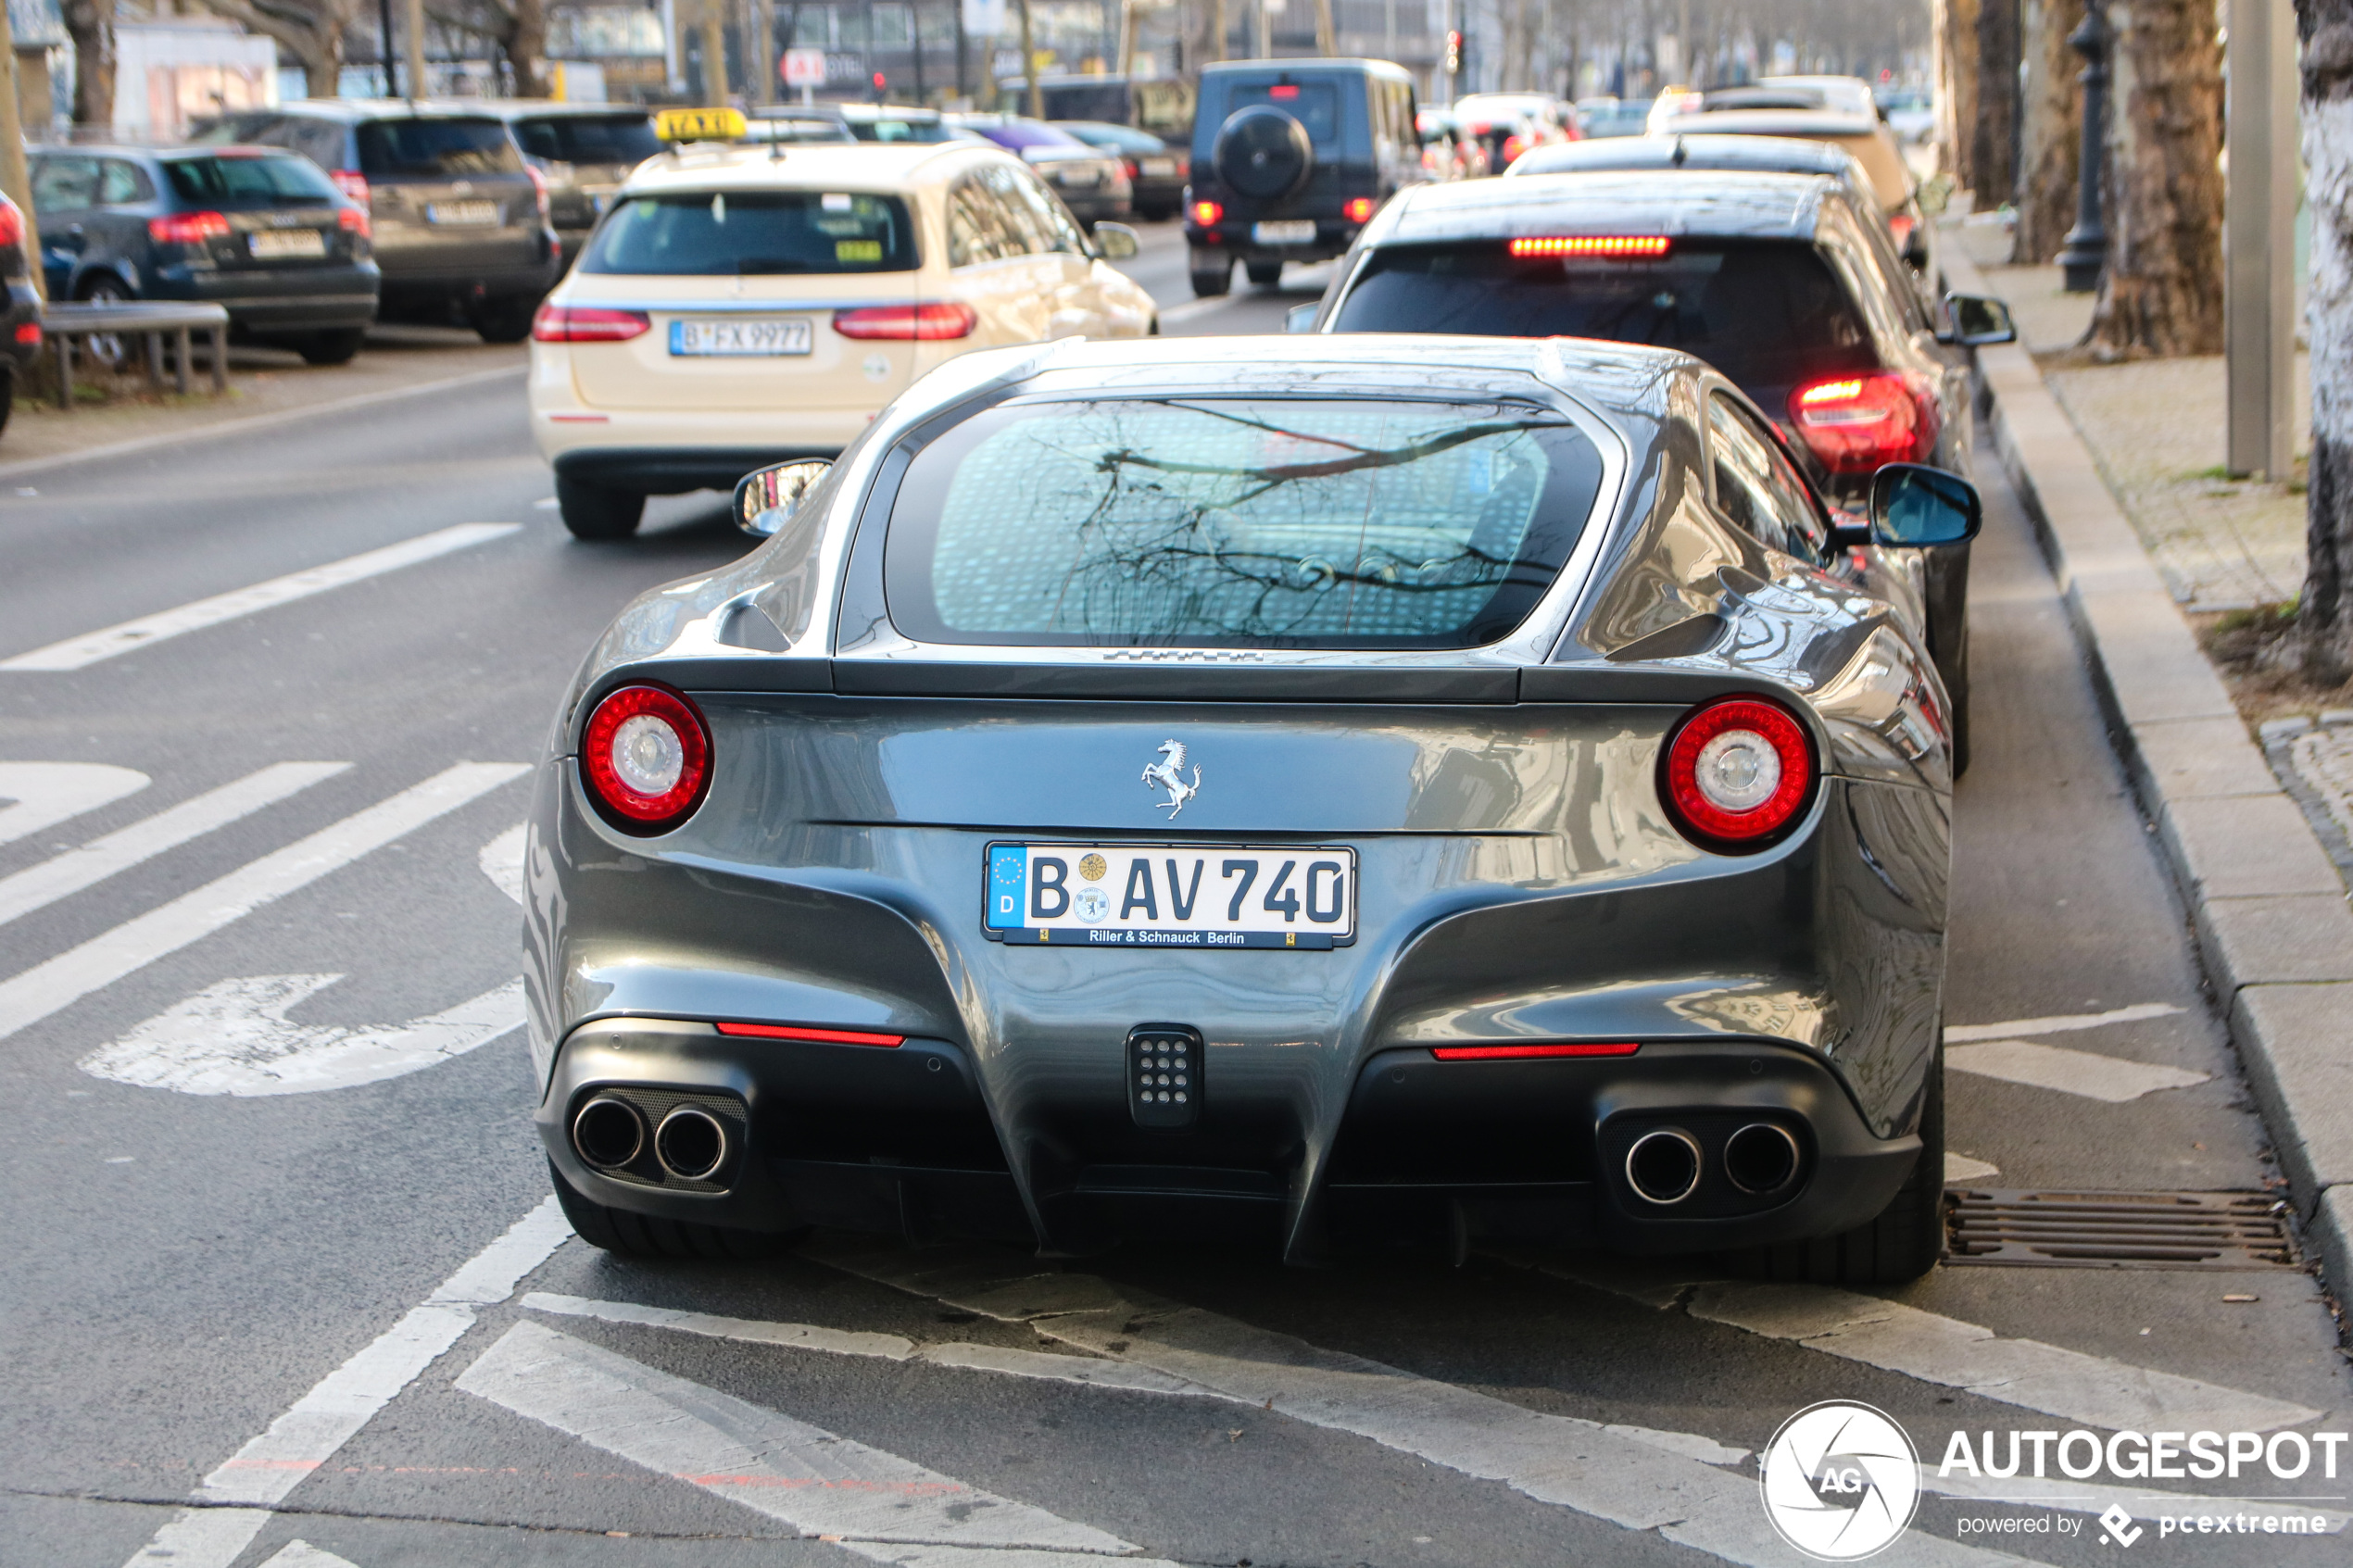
pixel 2267 904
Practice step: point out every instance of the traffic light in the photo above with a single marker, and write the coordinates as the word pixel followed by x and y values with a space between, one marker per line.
pixel 878 82
pixel 1455 52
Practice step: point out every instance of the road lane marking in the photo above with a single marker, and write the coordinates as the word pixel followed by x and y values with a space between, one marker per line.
pixel 302 1554
pixel 501 860
pixel 1578 1464
pixel 1193 309
pixel 2093 1076
pixel 2138 1013
pixel 42 795
pixel 38 886
pixel 233 1038
pixel 2088 1390
pixel 820 1484
pixel 26 998
pixel 236 1500
pixel 1961 1168
pixel 78 653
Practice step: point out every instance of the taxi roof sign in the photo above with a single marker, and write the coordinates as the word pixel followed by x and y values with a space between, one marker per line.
pixel 722 124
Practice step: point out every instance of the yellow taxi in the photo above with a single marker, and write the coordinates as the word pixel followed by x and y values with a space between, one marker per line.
pixel 743 305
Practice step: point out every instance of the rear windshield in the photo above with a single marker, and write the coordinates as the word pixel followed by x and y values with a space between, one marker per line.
pixel 429 148
pixel 1315 104
pixel 589 138
pixel 917 129
pixel 747 232
pixel 1766 313
pixel 1233 522
pixel 249 180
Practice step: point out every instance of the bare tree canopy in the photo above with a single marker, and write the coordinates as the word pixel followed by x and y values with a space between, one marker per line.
pixel 311 31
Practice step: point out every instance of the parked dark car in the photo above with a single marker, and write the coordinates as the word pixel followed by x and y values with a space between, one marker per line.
pixel 583 151
pixel 1774 279
pixel 20 319
pixel 1156 171
pixel 462 222
pixel 1091 183
pixel 1291 160
pixel 257 231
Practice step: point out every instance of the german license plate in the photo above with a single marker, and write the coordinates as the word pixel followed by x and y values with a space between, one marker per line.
pixel 461 215
pixel 1288 232
pixel 1158 165
pixel 1078 174
pixel 742 335
pixel 273 245
pixel 1170 895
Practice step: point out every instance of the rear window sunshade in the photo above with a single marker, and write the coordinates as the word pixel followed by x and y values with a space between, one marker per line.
pixel 247 181
pixel 431 148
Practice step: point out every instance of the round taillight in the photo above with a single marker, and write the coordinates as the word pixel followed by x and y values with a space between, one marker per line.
pixel 1736 773
pixel 645 758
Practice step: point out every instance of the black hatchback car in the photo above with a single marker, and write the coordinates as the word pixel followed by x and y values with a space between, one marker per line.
pixel 257 231
pixel 1291 160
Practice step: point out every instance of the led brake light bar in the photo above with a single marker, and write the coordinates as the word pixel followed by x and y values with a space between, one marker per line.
pixel 1634 247
pixel 1521 1053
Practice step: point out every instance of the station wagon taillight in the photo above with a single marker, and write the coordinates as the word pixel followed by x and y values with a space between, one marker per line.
pixel 11 223
pixel 187 227
pixel 1208 214
pixel 645 758
pixel 352 184
pixel 933 321
pixel 587 323
pixel 1860 423
pixel 1736 772
pixel 1359 210
pixel 354 220
pixel 1614 247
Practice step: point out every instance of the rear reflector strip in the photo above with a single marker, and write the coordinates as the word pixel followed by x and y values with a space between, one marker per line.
pixel 821 1036
pixel 1591 245
pixel 1521 1053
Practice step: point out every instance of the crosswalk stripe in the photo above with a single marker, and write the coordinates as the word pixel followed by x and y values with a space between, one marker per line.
pixel 2087 1073
pixel 822 1485
pixel 78 653
pixel 61 876
pixel 50 988
pixel 39 794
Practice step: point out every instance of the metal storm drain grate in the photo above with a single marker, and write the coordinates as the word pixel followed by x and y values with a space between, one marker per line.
pixel 2116 1230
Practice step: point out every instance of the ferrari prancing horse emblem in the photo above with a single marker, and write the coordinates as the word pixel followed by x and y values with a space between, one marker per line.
pixel 1163 776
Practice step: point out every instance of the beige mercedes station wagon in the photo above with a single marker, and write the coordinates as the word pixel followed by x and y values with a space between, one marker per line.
pixel 745 305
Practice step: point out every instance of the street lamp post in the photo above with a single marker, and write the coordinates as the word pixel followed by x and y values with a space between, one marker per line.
pixel 2085 250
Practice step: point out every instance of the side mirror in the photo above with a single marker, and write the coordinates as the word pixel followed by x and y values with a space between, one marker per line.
pixel 765 497
pixel 1978 320
pixel 1913 506
pixel 1115 242
pixel 1301 318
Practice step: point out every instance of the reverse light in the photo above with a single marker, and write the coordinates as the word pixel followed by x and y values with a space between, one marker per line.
pixel 1524 1053
pixel 187 227
pixel 354 220
pixel 645 758
pixel 1860 423
pixel 1359 210
pixel 1620 246
pixel 587 323
pixel 1736 772
pixel 933 321
pixel 821 1036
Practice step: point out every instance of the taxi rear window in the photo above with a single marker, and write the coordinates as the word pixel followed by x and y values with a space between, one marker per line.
pixel 1237 522
pixel 730 233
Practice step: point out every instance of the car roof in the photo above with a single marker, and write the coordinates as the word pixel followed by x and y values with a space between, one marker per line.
pixel 869 166
pixel 1773 122
pixel 883 111
pixel 1698 203
pixel 351 111
pixel 512 109
pixel 1308 67
pixel 131 150
pixel 1692 152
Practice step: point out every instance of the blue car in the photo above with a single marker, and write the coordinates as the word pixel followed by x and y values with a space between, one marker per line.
pixel 260 231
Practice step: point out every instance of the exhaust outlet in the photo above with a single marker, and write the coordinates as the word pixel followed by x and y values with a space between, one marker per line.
pixel 608 1133
pixel 691 1144
pixel 1760 1157
pixel 1663 1166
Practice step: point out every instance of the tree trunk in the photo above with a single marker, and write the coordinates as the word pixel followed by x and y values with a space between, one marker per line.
pixel 91 25
pixel 2162 292
pixel 1995 127
pixel 525 43
pixel 1957 90
pixel 2324 617
pixel 1029 65
pixel 2051 129
pixel 1326 37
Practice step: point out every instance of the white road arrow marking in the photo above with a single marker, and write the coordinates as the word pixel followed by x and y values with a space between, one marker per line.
pixel 2139 1012
pixel 2109 1078
pixel 38 795
pixel 302 1554
pixel 501 860
pixel 235 1039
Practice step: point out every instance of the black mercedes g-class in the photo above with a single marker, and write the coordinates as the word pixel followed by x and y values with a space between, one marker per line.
pixel 1290 157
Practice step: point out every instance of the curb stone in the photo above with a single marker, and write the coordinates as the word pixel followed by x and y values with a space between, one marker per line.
pixel 2273 929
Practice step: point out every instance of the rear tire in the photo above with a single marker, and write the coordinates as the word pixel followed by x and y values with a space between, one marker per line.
pixel 1208 284
pixel 9 388
pixel 1265 274
pixel 1902 1243
pixel 334 346
pixel 625 1235
pixel 594 513
pixel 502 321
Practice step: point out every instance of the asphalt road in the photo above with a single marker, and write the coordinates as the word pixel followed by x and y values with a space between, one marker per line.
pixel 189 1262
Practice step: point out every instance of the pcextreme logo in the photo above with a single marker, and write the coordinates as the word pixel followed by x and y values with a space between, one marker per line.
pixel 1839 1481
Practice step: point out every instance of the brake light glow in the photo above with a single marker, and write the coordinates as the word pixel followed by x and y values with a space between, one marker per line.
pixel 1524 1053
pixel 1900 226
pixel 821 1036
pixel 11 223
pixel 645 758
pixel 1857 424
pixel 1283 93
pixel 1128 164
pixel 933 321
pixel 29 333
pixel 1514 145
pixel 187 227
pixel 587 323
pixel 1621 246
pixel 1358 209
pixel 352 184
pixel 354 220
pixel 538 190
pixel 1207 214
pixel 1736 772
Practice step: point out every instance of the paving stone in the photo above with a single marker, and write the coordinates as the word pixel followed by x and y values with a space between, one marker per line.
pixel 2293 1040
pixel 2308 937
pixel 2243 846
pixel 2191 759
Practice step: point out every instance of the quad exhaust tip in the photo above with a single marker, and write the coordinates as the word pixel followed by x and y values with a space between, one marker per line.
pixel 691 1144
pixel 1760 1157
pixel 608 1133
pixel 1663 1166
